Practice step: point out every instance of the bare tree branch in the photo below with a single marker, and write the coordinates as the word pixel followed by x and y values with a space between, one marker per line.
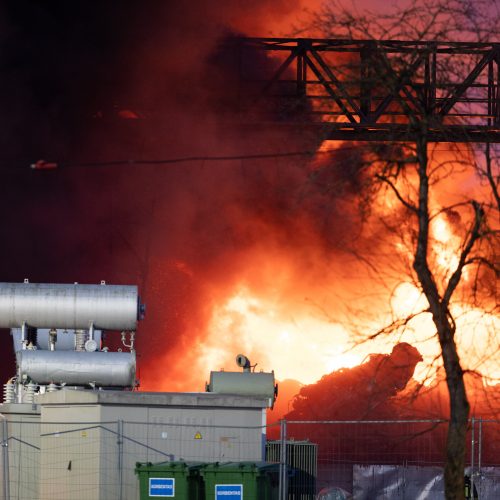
pixel 407 204
pixel 474 235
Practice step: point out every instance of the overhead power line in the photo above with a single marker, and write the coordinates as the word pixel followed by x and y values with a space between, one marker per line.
pixel 52 165
pixel 45 165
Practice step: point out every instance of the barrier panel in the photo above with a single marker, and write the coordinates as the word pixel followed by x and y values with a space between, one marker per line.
pixel 390 459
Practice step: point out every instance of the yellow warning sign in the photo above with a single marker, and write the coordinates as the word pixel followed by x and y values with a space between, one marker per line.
pixel 198 435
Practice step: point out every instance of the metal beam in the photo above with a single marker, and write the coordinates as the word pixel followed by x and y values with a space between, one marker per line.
pixel 384 89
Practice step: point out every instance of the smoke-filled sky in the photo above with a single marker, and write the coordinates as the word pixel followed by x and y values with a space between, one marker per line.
pixel 72 72
pixel 231 256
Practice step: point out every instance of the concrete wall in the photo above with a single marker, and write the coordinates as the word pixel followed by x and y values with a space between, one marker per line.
pixel 90 441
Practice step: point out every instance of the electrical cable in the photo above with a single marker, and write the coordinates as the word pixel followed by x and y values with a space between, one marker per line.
pixel 207 158
pixel 53 165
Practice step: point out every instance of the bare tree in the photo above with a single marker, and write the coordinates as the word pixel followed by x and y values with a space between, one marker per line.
pixel 407 173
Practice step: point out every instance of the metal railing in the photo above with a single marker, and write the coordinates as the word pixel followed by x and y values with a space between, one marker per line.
pixel 374 89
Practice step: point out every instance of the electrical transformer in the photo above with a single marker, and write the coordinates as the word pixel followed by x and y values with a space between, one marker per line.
pixel 58 333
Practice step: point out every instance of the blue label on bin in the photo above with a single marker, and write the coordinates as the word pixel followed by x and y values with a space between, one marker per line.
pixel 161 487
pixel 228 491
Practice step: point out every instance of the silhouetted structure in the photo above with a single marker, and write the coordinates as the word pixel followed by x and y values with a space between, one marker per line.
pixel 342 79
pixel 354 393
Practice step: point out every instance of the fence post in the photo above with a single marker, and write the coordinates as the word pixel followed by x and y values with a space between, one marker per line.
pixel 5 458
pixel 473 452
pixel 119 443
pixel 405 468
pixel 480 450
pixel 282 491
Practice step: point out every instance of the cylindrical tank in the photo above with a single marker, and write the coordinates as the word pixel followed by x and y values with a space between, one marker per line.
pixel 104 369
pixel 259 384
pixel 107 307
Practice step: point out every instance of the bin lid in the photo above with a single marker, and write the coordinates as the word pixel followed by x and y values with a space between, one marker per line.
pixel 241 467
pixel 168 466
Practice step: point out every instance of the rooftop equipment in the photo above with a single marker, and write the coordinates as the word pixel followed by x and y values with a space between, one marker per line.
pixel 41 305
pixel 246 383
pixel 58 332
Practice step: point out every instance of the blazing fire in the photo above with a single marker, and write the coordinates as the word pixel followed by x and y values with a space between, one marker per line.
pixel 242 256
pixel 306 320
pixel 286 341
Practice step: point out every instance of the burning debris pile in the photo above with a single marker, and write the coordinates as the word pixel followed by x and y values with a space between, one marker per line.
pixel 383 389
pixel 358 393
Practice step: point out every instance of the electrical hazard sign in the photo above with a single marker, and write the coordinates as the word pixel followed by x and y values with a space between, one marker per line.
pixel 198 435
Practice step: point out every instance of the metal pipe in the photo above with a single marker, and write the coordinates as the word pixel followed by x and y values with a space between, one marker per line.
pixel 282 487
pixel 23 335
pixel 52 339
pixel 285 468
pixel 280 484
pixel 119 442
pixel 5 456
pixel 19 392
pixel 124 340
pixel 40 305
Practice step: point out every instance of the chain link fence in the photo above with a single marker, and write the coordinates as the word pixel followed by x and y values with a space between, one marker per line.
pixel 325 460
pixel 392 459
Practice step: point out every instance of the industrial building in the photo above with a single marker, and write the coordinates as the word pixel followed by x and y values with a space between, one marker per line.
pixel 72 425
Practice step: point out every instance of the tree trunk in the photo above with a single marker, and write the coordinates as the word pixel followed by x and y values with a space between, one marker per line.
pixel 459 414
pixel 459 406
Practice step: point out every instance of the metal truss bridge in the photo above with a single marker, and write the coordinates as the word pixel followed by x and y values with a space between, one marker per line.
pixel 374 90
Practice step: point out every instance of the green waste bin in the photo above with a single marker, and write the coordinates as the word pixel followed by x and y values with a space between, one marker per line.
pixel 241 481
pixel 180 480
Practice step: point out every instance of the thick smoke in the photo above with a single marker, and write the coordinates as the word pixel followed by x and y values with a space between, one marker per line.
pixel 84 82
pixel 97 82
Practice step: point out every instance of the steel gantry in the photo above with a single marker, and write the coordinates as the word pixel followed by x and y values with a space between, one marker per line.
pixel 376 89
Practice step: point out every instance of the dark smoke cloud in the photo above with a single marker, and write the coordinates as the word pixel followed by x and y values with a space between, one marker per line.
pixel 117 80
pixel 186 233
